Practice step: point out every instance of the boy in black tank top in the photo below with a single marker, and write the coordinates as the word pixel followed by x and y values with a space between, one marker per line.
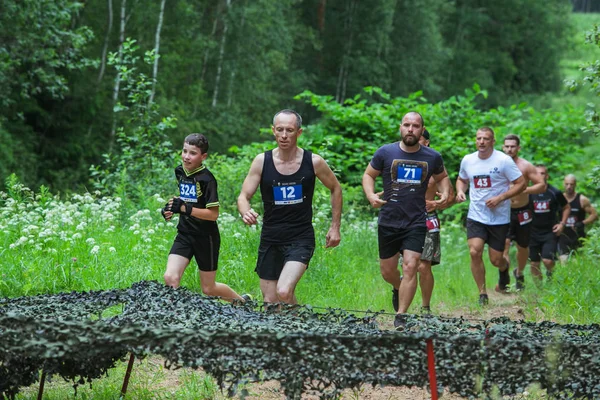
pixel 286 177
pixel 574 230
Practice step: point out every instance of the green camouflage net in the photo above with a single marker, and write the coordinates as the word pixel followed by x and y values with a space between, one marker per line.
pixel 80 336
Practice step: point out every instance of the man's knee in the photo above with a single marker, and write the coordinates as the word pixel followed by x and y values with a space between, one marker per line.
pixel 171 279
pixel 424 268
pixel 476 252
pixel 285 293
pixel 498 260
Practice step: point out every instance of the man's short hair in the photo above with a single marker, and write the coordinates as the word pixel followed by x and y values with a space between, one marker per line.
pixel 426 134
pixel 541 165
pixel 293 112
pixel 487 129
pixel 512 136
pixel 198 140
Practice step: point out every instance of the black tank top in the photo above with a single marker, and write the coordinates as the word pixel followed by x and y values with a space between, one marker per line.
pixel 287 201
pixel 577 214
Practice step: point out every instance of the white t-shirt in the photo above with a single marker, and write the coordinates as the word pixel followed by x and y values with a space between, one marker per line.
pixel 488 178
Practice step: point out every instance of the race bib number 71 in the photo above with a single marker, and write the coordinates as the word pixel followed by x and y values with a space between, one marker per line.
pixel 411 174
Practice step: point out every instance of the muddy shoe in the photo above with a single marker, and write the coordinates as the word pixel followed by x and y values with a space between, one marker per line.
pixel 519 281
pixel 395 299
pixel 503 280
pixel 483 299
pixel 400 322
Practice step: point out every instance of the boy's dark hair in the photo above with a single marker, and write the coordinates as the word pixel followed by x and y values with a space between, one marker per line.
pixel 198 140
pixel 512 136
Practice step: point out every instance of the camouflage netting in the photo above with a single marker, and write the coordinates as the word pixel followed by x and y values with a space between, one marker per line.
pixel 79 336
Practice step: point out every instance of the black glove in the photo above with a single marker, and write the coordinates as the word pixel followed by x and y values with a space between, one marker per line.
pixel 176 207
pixel 164 210
pixel 579 226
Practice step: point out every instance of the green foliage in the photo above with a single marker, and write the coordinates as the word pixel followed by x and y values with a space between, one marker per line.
pixel 142 164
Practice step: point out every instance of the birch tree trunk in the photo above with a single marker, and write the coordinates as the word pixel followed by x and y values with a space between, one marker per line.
pixel 237 54
pixel 221 56
pixel 340 92
pixel 207 51
pixel 118 77
pixel 105 46
pixel 156 50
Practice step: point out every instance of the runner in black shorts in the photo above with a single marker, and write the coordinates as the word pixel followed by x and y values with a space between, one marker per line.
pixel 406 168
pixel 520 212
pixel 546 226
pixel 492 178
pixel 197 230
pixel 286 177
pixel 574 232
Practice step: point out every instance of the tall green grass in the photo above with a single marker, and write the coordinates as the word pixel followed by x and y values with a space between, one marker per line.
pixel 86 243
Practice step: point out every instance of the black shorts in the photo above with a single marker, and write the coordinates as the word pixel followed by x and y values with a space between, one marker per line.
pixel 205 249
pixel 520 225
pixel 395 240
pixel 568 242
pixel 272 258
pixel 542 246
pixel 493 235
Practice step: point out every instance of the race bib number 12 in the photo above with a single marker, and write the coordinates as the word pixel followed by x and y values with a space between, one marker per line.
pixel 286 195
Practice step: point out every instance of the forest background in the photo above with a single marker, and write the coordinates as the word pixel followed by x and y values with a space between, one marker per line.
pixel 99 95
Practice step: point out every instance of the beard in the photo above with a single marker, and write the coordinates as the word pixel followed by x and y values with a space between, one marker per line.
pixel 410 140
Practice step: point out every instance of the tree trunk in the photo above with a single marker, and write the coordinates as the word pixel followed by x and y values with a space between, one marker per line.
pixel 105 46
pixel 207 51
pixel 340 92
pixel 221 56
pixel 237 54
pixel 118 77
pixel 156 50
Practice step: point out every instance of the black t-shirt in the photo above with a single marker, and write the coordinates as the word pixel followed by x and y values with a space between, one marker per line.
pixel 198 187
pixel 405 179
pixel 287 201
pixel 546 208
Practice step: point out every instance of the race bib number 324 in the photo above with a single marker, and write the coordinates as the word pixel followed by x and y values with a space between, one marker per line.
pixel 187 192
pixel 285 195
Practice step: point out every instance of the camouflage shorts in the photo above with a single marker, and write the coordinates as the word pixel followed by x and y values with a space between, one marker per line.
pixel 432 250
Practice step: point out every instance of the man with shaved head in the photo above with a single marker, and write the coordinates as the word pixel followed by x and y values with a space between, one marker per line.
pixel 406 167
pixel 574 230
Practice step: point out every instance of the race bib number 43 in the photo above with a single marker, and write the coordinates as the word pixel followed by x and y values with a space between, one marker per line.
pixel 285 195
pixel 187 192
pixel 410 174
pixel 482 182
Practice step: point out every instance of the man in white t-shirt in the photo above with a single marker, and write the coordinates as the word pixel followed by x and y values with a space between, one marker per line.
pixel 488 174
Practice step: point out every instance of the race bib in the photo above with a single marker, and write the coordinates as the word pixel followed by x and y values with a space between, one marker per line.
pixel 187 192
pixel 525 217
pixel 541 206
pixel 409 173
pixel 433 223
pixel 286 195
pixel 482 182
pixel 571 221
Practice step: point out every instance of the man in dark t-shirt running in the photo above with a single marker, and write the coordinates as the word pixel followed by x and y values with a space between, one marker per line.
pixel 550 213
pixel 286 177
pixel 406 168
